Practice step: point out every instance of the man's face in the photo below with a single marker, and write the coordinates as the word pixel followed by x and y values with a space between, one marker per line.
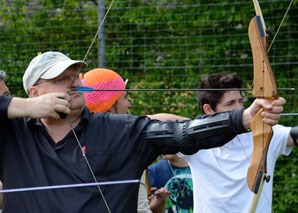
pixel 229 101
pixel 3 88
pixel 122 105
pixel 69 79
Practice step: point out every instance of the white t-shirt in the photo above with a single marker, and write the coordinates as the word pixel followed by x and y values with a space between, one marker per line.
pixel 219 174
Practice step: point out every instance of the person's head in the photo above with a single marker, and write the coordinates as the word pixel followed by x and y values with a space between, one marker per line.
pixel 220 101
pixel 3 88
pixel 105 101
pixel 54 72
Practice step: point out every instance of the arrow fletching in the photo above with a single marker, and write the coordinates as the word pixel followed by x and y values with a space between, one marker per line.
pixel 84 89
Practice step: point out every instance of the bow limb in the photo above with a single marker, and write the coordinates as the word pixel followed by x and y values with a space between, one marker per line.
pixel 147 182
pixel 264 87
pixel 259 13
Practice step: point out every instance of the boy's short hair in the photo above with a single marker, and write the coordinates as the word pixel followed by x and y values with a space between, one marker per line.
pixel 217 80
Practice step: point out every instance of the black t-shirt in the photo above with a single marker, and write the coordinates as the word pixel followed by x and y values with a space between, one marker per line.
pixel 114 146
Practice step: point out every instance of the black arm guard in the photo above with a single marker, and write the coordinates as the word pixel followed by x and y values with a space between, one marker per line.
pixel 294 134
pixel 192 135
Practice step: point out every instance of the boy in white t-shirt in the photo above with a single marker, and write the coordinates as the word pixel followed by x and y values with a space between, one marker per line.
pixel 219 174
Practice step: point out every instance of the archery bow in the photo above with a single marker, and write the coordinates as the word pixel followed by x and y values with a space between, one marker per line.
pixel 264 87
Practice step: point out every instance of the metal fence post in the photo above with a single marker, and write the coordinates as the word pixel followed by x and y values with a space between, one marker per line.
pixel 101 35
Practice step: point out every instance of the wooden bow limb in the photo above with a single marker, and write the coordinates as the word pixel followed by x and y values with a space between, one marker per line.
pixel 264 87
pixel 259 13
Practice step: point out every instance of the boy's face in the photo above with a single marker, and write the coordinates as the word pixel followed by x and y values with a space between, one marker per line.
pixel 229 101
pixel 122 105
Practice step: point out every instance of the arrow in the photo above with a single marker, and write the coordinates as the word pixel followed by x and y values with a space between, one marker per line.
pixel 38 188
pixel 90 89
pixel 288 114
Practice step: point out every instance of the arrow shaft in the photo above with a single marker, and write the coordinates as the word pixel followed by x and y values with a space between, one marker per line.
pixel 173 90
pixel 67 186
pixel 288 114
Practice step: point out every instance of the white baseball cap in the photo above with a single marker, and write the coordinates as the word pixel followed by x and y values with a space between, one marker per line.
pixel 48 65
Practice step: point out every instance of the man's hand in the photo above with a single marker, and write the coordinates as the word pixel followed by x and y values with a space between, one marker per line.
pixel 271 114
pixel 44 106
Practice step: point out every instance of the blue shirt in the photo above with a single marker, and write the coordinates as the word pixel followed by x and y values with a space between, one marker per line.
pixel 176 180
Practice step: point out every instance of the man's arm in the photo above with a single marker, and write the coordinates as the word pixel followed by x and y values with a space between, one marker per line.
pixel 211 130
pixel 44 106
pixel 167 117
pixel 271 117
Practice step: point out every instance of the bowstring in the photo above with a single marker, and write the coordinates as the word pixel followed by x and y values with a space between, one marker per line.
pixel 95 36
pixel 282 21
pixel 275 35
pixel 88 164
pixel 247 158
pixel 72 129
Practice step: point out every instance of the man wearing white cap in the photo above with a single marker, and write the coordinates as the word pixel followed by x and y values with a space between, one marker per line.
pixel 39 148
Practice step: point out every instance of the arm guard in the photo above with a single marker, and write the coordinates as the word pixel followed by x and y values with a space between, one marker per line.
pixel 192 135
pixel 294 134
